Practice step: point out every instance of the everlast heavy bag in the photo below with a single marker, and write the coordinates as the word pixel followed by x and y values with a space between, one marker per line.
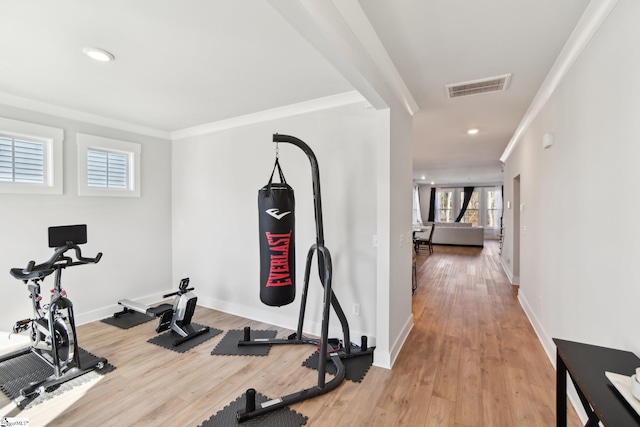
pixel 276 207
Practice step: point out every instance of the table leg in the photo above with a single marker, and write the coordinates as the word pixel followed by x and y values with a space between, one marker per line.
pixel 561 392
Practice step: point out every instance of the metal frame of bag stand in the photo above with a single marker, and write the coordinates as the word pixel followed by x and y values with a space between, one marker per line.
pixel 325 271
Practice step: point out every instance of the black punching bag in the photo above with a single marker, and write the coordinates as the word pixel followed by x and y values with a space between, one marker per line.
pixel 276 206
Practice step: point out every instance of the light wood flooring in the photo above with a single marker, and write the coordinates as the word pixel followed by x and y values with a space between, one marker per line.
pixel 472 359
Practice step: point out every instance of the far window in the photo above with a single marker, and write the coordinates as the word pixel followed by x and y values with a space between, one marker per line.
pixel 493 211
pixel 471 214
pixel 445 207
pixel 108 167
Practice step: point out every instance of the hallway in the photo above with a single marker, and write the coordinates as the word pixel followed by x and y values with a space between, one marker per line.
pixel 473 352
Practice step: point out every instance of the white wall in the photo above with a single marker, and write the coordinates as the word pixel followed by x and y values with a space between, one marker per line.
pixel 396 249
pixel 579 237
pixel 134 234
pixel 216 178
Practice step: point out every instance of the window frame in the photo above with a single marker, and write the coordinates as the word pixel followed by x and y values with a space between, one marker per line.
pixel 51 139
pixel 478 192
pixel 440 208
pixel 497 209
pixel 482 211
pixel 130 149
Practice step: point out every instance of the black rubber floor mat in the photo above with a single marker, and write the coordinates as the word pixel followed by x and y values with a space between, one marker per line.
pixel 355 368
pixel 228 345
pixel 283 417
pixel 128 320
pixel 18 372
pixel 166 339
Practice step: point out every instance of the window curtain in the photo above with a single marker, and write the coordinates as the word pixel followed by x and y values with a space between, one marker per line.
pixel 432 206
pixel 417 215
pixel 468 192
pixel 438 206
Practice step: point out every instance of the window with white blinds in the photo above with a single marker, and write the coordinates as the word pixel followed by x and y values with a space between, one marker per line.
pixel 108 167
pixel 21 160
pixel 30 158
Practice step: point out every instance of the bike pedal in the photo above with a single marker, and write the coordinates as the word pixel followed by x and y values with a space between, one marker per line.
pixel 21 325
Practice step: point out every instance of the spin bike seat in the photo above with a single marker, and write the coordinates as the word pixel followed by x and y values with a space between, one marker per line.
pixel 19 273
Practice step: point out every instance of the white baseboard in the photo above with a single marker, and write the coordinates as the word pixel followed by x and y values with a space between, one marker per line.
pixel 550 349
pixel 387 359
pixel 545 340
pixel 507 271
pixel 312 328
pixel 271 317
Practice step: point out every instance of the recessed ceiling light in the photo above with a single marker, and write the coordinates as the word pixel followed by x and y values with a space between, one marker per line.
pixel 98 54
pixel 433 183
pixel 472 131
pixel 423 177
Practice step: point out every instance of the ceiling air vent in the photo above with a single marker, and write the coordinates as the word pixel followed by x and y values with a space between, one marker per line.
pixel 475 87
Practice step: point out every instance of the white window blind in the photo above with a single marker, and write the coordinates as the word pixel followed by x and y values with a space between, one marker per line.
pixel 106 169
pixel 30 158
pixel 22 161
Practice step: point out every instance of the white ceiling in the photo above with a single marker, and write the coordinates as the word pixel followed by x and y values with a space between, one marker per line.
pixel 178 64
pixel 185 64
pixel 438 42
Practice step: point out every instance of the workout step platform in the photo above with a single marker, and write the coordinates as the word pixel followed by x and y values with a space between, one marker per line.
pixel 20 371
pixel 284 417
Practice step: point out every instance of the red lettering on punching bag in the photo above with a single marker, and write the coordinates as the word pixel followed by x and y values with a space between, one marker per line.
pixel 279 266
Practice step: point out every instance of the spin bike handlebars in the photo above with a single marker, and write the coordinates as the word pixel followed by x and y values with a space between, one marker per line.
pixel 57 261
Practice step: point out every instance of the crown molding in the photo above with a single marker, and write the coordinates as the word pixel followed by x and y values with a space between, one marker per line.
pixel 594 16
pixel 68 113
pixel 332 101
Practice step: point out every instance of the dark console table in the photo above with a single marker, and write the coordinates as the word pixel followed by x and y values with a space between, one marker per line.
pixel 586 365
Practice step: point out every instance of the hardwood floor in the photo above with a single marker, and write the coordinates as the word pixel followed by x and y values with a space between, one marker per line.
pixel 472 359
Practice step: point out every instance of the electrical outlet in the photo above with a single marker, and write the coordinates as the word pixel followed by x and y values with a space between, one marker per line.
pixel 356 309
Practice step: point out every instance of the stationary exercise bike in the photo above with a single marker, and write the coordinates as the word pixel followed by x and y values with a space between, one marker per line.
pixel 52 328
pixel 176 318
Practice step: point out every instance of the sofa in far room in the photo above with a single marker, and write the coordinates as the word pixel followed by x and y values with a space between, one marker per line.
pixel 452 233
